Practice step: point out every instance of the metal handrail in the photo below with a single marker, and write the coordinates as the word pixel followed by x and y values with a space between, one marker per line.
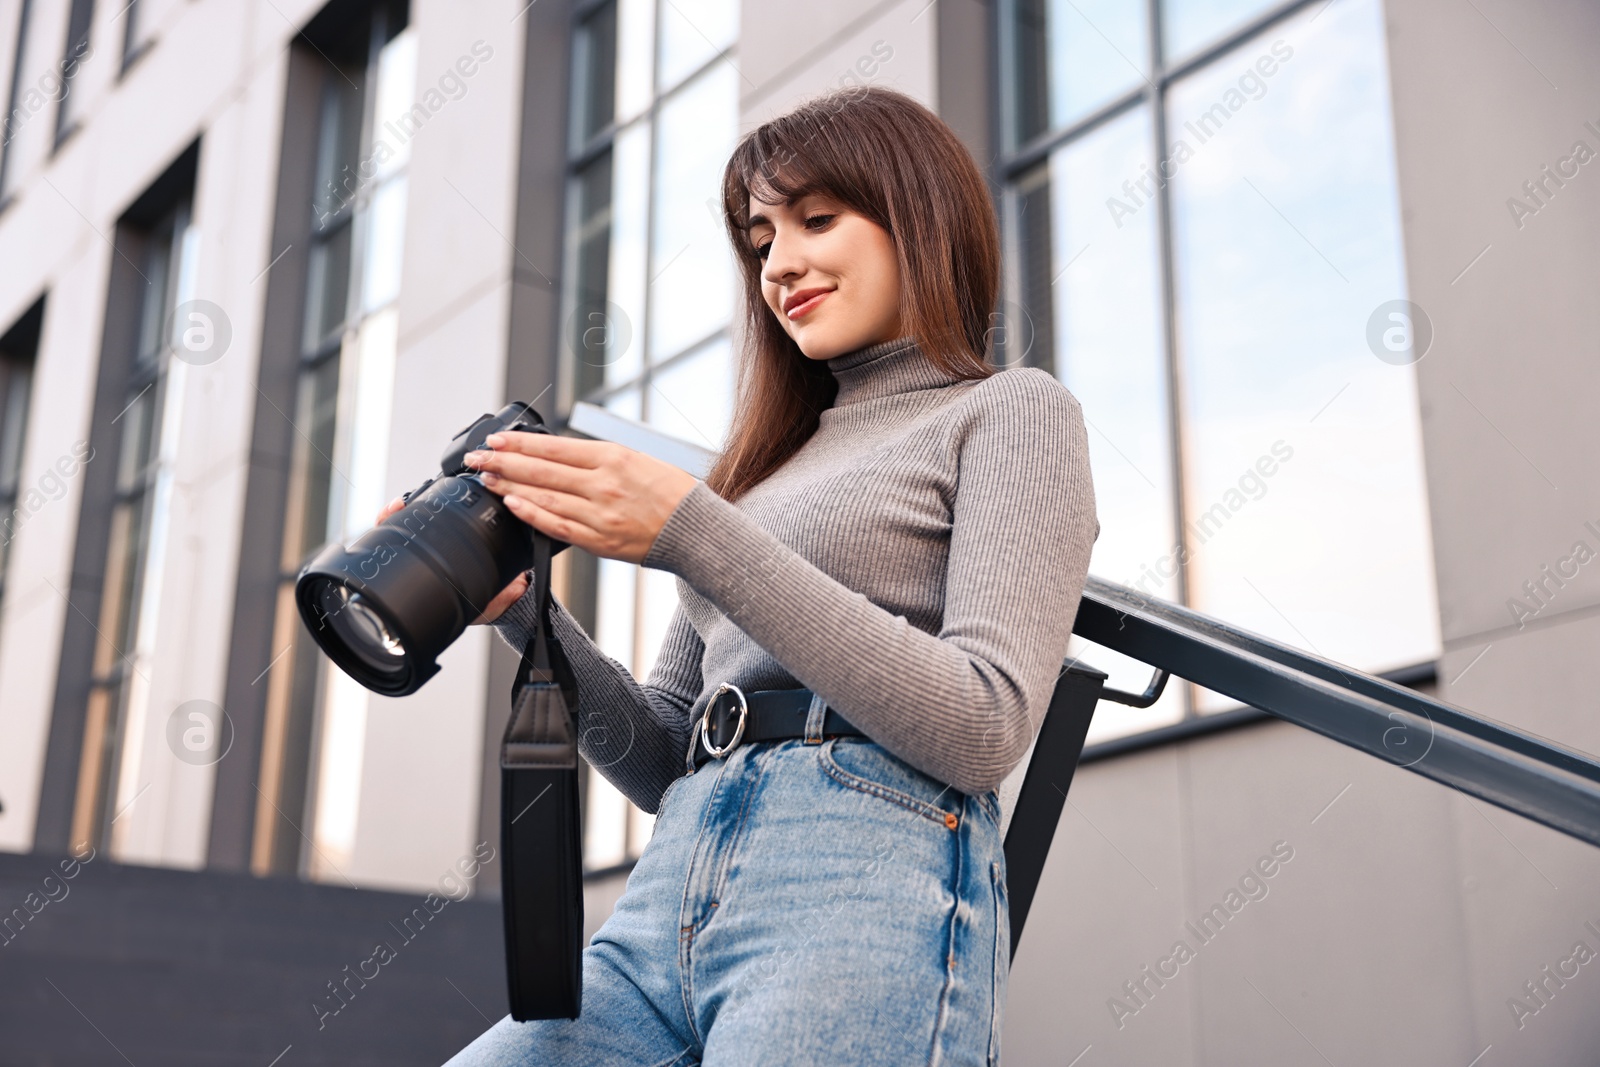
pixel 1512 769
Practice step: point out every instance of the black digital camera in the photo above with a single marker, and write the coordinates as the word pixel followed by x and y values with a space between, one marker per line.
pixel 384 606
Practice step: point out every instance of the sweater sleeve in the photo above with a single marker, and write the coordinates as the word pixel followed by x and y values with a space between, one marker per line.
pixel 636 735
pixel 964 704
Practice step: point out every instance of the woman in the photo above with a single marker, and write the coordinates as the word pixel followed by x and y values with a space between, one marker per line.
pixel 893 526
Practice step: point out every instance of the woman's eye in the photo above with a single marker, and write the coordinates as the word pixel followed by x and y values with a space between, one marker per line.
pixel 762 250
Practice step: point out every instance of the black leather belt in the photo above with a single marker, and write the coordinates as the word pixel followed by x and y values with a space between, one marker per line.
pixel 733 718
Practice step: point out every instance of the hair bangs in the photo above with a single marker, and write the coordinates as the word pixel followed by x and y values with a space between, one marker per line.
pixel 885 156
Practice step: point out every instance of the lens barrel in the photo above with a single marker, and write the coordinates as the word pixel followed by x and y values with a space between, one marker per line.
pixel 386 605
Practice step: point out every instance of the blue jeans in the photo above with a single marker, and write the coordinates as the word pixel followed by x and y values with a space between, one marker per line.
pixel 797 904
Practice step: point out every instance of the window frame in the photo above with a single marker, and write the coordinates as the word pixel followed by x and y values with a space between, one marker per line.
pixel 19 362
pixel 80 30
pixel 19 55
pixel 1017 163
pixel 582 154
pixel 285 803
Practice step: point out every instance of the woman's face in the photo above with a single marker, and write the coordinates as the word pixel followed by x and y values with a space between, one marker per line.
pixel 828 274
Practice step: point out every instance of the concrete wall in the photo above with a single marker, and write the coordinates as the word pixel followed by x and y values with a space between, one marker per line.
pixel 216 71
pixel 1484 101
pixel 784 60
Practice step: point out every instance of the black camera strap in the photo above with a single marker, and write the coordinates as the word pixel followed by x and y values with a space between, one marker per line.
pixel 541 850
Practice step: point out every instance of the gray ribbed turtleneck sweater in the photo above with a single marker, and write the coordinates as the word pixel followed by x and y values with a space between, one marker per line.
pixel 918 563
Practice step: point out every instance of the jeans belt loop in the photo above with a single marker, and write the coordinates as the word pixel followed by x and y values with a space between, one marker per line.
pixel 814 718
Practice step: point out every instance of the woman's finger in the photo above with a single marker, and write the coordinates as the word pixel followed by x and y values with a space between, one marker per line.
pixel 389 509
pixel 560 506
pixel 507 597
pixel 561 528
pixel 568 450
pixel 566 505
pixel 531 470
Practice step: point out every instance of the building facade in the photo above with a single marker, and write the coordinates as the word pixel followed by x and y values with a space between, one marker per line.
pixel 1320 273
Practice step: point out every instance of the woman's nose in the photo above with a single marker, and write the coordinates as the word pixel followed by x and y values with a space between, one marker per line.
pixel 783 261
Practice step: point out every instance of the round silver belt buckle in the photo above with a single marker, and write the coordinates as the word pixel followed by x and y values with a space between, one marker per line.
pixel 738 731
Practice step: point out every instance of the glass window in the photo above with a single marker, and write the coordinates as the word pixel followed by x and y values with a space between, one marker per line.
pixel 18 354
pixel 136 36
pixel 658 600
pixel 119 678
pixel 594 74
pixel 589 341
pixel 1107 347
pixel 605 831
pixel 693 397
pixel 618 597
pixel 330 280
pixel 386 231
pixel 1186 25
pixel 9 122
pixel 606 818
pixel 650 290
pixel 629 403
pixel 691 266
pixel 79 22
pixel 659 592
pixel 628 276
pixel 635 62
pixel 314 738
pixel 1239 465
pixel 1286 235
pixel 692 33
pixel 1073 56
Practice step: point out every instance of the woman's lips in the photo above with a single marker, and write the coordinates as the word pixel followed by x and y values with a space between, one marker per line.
pixel 800 309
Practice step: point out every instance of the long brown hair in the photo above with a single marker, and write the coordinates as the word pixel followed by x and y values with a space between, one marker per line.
pixel 887 157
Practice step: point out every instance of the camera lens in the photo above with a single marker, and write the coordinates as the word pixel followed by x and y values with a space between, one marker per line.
pixel 361 628
pixel 384 606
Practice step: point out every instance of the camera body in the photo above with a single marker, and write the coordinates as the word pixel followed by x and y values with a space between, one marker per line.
pixel 384 606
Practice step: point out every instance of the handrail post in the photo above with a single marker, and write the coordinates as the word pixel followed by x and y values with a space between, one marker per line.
pixel 1044 788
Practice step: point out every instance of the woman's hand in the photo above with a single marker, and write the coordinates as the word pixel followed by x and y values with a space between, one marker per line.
pixel 599 496
pixel 507 596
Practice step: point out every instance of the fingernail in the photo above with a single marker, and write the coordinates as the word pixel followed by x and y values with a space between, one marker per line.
pixel 494 440
pixel 489 478
pixel 472 459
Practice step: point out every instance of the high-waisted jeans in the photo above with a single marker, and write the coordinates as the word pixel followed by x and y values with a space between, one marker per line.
pixel 797 904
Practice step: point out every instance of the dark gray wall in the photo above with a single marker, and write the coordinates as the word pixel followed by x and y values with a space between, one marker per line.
pixel 964 64
pixel 184 969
